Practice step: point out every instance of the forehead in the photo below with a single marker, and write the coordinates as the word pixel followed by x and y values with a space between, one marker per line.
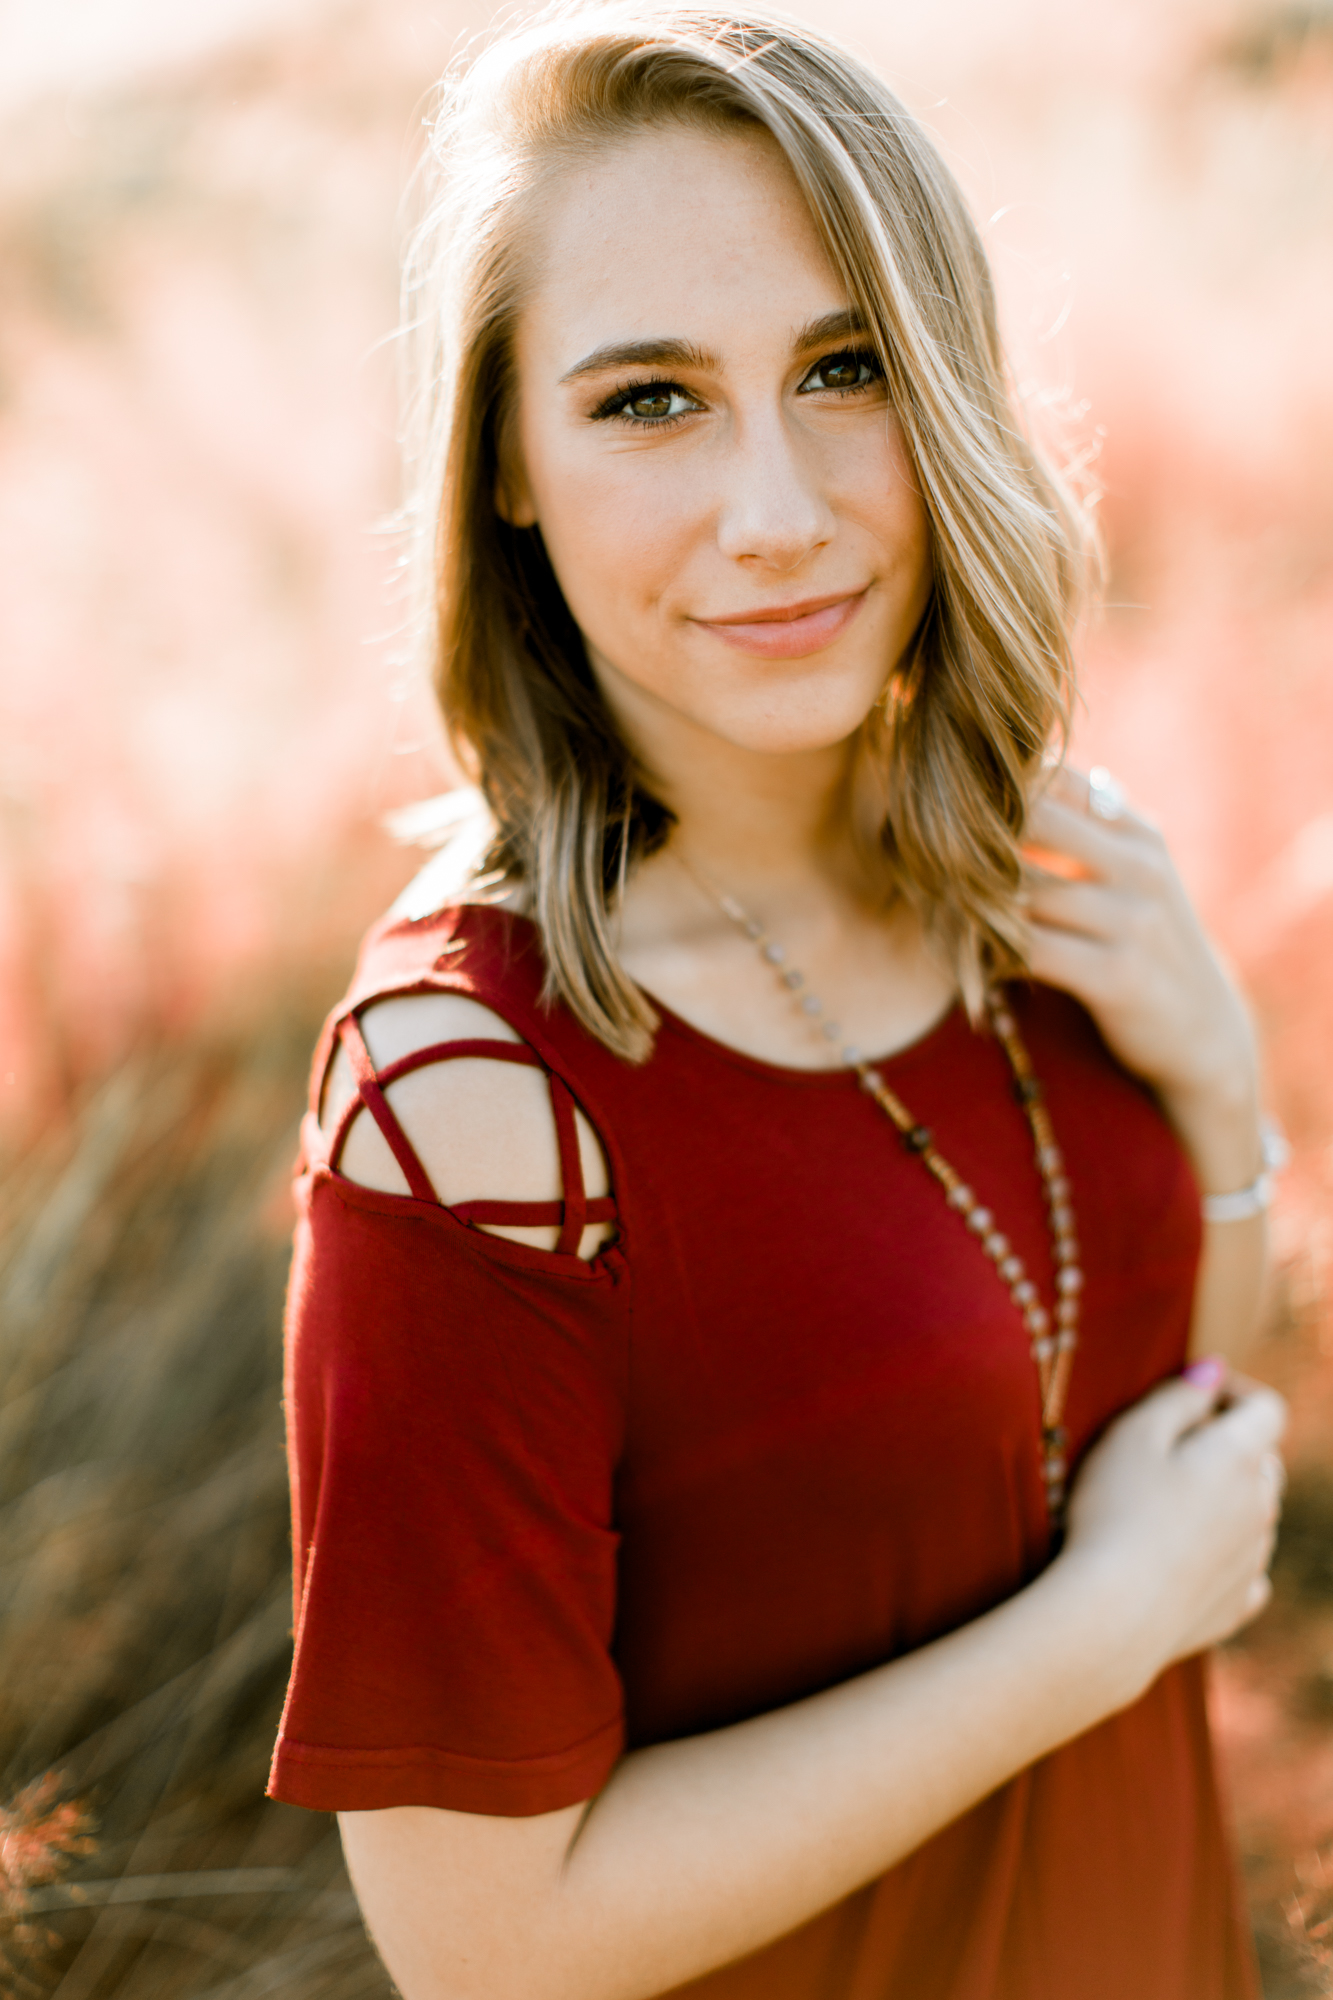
pixel 674 232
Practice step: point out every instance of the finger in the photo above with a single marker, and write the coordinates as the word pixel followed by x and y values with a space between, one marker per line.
pixel 1179 1406
pixel 1241 1434
pixel 1050 861
pixel 1274 1475
pixel 1240 1385
pixel 1064 958
pixel 1089 908
pixel 1070 785
pixel 1269 1549
pixel 1257 1597
pixel 1067 783
pixel 1103 846
pixel 1257 1418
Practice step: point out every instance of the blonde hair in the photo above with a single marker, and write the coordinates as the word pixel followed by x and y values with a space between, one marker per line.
pixel 949 757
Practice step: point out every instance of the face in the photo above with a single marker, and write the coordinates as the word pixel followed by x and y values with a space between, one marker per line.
pixel 703 437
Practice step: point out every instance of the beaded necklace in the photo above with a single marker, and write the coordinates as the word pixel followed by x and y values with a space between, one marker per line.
pixel 1053 1335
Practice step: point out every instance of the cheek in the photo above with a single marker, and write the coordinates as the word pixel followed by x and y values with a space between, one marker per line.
pixel 614 542
pixel 903 531
pixel 889 501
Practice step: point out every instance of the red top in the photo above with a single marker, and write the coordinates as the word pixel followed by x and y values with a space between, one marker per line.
pixel 784 1428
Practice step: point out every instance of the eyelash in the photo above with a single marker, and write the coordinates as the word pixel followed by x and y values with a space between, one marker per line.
pixel 615 406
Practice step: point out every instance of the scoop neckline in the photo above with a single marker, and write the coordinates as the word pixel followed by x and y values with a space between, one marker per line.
pixel 785 1072
pixel 790 1072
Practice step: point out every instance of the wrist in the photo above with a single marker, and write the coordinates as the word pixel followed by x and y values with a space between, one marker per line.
pixel 1219 1124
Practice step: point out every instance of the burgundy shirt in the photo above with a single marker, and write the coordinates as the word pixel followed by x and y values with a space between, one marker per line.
pixel 784 1428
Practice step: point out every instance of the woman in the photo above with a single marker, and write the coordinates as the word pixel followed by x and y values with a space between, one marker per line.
pixel 709 1271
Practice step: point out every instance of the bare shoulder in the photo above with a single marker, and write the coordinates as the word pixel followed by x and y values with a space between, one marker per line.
pixel 483 1129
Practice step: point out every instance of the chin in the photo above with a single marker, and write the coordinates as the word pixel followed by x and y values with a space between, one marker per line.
pixel 799 708
pixel 787 720
pixel 778 735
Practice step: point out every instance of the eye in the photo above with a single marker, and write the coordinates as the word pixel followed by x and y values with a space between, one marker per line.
pixel 851 368
pixel 647 404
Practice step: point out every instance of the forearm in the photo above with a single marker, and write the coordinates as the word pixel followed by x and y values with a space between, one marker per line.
pixel 1229 1294
pixel 700 1851
pixel 1219 1127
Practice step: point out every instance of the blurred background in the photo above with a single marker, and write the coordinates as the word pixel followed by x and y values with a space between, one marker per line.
pixel 205 714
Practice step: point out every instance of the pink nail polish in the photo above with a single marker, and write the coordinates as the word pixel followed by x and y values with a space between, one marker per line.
pixel 1205 1374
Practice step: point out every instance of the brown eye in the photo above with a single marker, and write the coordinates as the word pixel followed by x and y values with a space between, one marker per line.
pixel 848 370
pixel 842 373
pixel 653 403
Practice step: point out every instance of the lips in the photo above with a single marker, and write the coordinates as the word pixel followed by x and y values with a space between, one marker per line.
pixel 787 631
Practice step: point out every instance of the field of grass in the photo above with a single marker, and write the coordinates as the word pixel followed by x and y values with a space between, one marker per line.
pixel 145 1604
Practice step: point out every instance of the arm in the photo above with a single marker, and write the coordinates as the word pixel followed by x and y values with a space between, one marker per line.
pixel 700 1851
pixel 1125 940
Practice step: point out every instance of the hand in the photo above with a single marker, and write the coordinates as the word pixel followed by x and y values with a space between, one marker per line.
pixel 1125 940
pixel 1176 1510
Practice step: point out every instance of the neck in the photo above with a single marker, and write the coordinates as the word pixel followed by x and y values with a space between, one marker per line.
pixel 761 823
pixel 774 835
pixel 767 825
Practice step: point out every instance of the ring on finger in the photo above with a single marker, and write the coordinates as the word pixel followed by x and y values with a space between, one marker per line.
pixel 1106 795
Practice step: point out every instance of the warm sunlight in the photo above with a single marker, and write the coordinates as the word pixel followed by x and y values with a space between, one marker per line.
pixel 206 714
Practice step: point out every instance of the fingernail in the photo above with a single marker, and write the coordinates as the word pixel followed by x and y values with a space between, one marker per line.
pixel 1206 1374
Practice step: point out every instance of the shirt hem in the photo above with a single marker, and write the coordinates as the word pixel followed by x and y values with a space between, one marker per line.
pixel 325 1778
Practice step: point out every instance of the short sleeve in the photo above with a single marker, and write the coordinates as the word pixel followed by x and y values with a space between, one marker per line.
pixel 454 1409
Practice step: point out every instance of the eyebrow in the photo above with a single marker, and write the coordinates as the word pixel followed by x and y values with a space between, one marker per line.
pixel 845 324
pixel 642 354
pixel 841 325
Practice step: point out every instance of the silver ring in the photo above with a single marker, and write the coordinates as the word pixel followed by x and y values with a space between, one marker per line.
pixel 1106 796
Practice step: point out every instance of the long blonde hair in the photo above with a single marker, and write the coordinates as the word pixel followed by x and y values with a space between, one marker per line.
pixel 950 755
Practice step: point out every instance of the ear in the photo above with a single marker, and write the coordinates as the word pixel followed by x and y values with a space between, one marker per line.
pixel 513 500
pixel 513 496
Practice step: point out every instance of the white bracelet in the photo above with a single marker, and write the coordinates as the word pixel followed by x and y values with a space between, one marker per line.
pixel 1241 1205
pixel 1254 1199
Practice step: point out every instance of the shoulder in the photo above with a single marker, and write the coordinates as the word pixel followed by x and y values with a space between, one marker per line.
pixel 428 1084
pixel 483 950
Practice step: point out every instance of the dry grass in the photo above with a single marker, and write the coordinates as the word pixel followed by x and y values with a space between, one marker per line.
pixel 1275 1687
pixel 144 1594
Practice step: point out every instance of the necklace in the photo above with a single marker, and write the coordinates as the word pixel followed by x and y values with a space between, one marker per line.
pixel 1053 1335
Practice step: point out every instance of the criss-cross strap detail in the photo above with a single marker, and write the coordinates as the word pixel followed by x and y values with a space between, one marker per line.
pixel 372 1096
pixel 571 1168
pixel 514 1052
pixel 571 1215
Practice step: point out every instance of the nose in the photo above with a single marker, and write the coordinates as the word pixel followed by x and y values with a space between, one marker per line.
pixel 774 512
